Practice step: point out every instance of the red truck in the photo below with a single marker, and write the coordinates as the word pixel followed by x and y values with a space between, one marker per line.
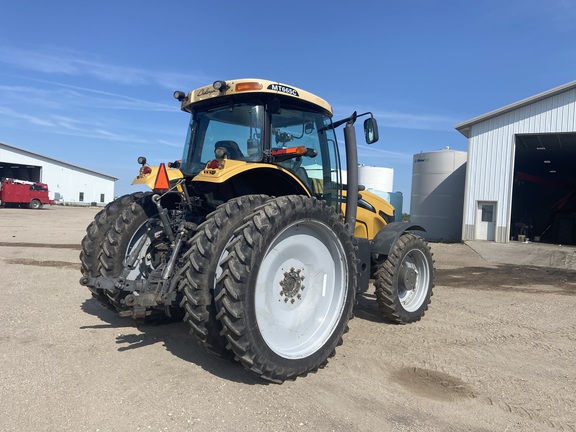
pixel 18 192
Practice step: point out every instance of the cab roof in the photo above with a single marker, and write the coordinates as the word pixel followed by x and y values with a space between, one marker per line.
pixel 252 85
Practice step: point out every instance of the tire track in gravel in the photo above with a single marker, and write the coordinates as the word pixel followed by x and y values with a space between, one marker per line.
pixel 42 263
pixel 43 245
pixel 507 277
pixel 32 262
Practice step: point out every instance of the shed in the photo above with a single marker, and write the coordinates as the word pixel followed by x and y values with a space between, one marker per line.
pixel 67 183
pixel 521 176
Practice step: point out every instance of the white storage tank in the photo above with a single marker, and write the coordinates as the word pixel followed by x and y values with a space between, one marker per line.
pixel 437 200
pixel 377 178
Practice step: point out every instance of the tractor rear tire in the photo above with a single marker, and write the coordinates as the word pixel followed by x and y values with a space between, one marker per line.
pixel 208 248
pixel 95 236
pixel 288 287
pixel 123 235
pixel 404 281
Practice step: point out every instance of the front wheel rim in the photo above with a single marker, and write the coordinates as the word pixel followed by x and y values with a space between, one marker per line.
pixel 413 280
pixel 301 289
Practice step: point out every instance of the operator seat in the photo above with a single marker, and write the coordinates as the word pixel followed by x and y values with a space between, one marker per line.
pixel 232 148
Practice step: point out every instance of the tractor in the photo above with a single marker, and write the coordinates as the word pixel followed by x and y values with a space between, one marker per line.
pixel 253 238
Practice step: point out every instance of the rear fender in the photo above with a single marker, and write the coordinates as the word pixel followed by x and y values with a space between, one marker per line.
pixel 149 180
pixel 241 178
pixel 388 235
pixel 232 169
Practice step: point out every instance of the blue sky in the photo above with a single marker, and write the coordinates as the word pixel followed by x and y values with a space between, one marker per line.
pixel 91 83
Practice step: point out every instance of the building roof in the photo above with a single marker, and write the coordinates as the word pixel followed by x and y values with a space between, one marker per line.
pixel 464 127
pixel 37 155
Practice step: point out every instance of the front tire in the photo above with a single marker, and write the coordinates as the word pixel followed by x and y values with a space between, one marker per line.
pixel 404 281
pixel 288 287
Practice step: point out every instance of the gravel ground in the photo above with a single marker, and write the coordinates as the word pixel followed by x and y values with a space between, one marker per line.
pixel 495 352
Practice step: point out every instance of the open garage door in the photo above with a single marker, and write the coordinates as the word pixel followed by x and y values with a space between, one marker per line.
pixel 544 191
pixel 20 172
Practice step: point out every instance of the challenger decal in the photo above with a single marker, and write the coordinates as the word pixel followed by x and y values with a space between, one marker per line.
pixel 283 89
pixel 206 91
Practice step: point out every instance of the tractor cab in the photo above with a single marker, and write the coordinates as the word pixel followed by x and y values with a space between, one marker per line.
pixel 267 130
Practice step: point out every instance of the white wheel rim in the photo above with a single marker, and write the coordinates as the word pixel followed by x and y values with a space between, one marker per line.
pixel 413 280
pixel 143 264
pixel 297 318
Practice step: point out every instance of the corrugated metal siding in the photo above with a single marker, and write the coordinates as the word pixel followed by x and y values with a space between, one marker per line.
pixel 491 155
pixel 63 179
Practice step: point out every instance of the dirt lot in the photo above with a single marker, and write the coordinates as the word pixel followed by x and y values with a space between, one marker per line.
pixel 495 352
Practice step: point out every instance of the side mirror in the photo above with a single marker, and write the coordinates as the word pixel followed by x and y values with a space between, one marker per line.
pixel 371 130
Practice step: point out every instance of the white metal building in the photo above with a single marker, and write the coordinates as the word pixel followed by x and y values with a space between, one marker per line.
pixel 521 170
pixel 68 184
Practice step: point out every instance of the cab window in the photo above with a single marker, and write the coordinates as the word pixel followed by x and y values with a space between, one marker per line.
pixel 237 129
pixel 319 170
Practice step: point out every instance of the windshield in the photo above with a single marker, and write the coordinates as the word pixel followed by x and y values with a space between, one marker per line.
pixel 236 128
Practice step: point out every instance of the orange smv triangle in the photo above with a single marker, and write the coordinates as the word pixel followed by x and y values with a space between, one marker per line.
pixel 162 183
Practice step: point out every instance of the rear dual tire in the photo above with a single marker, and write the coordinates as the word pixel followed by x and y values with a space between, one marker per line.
pixel 96 235
pixel 288 287
pixel 110 239
pixel 124 234
pixel 208 248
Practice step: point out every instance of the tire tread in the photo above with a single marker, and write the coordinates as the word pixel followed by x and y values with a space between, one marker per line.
pixel 249 243
pixel 386 288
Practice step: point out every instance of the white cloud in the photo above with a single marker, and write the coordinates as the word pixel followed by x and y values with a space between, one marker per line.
pixel 406 120
pixel 63 125
pixel 34 120
pixel 67 122
pixel 170 144
pixel 373 151
pixel 57 61
pixel 415 121
pixel 65 96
